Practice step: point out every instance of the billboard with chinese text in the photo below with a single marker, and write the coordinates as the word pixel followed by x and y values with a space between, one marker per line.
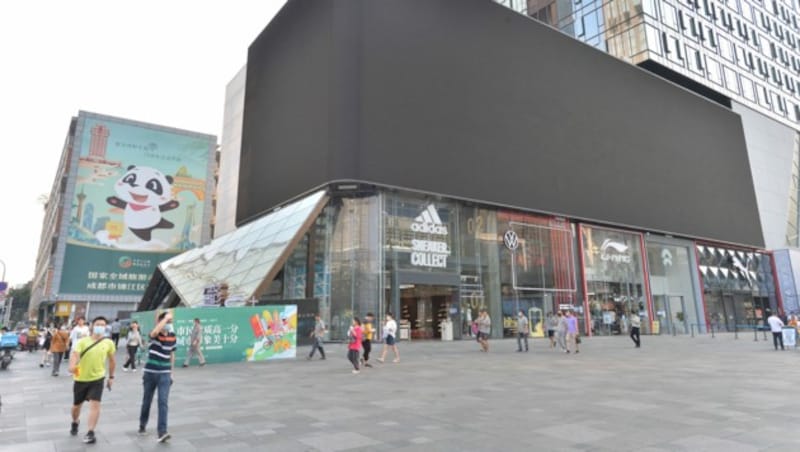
pixel 139 198
pixel 258 333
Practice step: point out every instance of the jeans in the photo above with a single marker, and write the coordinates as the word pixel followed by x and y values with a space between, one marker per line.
pixel 57 356
pixel 635 336
pixel 777 338
pixel 367 346
pixel 131 362
pixel 520 337
pixel 153 381
pixel 353 356
pixel 317 345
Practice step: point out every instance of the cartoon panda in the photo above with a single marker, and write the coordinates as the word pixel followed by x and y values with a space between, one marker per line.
pixel 144 193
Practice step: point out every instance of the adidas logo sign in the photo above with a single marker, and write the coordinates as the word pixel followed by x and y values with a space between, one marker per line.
pixel 429 222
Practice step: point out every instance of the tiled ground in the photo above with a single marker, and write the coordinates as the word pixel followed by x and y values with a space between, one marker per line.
pixel 673 394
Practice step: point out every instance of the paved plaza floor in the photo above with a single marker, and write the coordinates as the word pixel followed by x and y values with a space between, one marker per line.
pixel 673 394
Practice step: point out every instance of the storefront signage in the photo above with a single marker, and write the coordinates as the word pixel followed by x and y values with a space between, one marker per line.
pixel 614 251
pixel 429 222
pixel 666 257
pixel 511 240
pixel 429 253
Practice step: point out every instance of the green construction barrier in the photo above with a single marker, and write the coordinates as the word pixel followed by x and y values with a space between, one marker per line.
pixel 259 333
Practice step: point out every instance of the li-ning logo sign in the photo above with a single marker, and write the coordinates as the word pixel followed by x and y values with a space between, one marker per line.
pixel 429 222
pixel 615 251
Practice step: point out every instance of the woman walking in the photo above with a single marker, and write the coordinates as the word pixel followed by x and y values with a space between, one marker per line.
pixel 389 337
pixel 561 332
pixel 133 343
pixel 354 335
pixel 484 329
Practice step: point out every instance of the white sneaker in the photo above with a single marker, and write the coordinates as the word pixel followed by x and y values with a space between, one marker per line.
pixel 134 370
pixel 355 372
pixel 124 369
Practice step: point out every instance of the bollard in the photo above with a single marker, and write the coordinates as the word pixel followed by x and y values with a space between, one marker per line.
pixel 735 331
pixel 691 327
pixel 755 333
pixel 765 333
pixel 673 329
pixel 712 331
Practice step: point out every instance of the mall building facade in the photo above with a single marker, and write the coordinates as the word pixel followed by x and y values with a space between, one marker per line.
pixel 395 160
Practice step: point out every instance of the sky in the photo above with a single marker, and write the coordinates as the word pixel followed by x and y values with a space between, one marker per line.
pixel 163 62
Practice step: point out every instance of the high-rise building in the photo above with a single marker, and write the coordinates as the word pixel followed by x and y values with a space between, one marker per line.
pixel 742 54
pixel 230 153
pixel 127 195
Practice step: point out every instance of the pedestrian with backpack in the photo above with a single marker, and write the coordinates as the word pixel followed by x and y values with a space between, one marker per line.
pixel 87 363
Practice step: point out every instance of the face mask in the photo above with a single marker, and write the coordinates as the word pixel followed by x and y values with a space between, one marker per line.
pixel 168 328
pixel 98 330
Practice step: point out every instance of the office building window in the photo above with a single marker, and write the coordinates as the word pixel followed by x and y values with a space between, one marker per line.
pixel 748 91
pixel 714 71
pixel 731 80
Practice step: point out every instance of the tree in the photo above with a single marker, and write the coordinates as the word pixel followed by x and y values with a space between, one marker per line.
pixel 22 298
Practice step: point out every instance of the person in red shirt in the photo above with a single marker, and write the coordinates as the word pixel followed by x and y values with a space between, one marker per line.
pixel 354 335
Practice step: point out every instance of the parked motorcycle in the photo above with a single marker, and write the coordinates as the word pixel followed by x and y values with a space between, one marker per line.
pixel 8 344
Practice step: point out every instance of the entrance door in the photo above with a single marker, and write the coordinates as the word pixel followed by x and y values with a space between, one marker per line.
pixel 425 308
pixel 670 312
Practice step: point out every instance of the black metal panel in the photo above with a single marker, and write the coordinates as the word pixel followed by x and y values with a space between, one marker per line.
pixel 469 99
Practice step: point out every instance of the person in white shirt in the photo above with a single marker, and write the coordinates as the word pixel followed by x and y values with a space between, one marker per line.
pixel 78 332
pixel 636 324
pixel 776 326
pixel 390 338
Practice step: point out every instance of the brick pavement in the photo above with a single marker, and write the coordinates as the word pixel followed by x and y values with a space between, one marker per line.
pixel 673 394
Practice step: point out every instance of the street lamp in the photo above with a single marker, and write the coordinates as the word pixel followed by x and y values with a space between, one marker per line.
pixel 4 271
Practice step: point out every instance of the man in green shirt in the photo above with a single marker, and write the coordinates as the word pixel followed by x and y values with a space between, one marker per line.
pixel 87 363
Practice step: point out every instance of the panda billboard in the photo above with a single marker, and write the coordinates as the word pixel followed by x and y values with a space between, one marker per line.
pixel 139 196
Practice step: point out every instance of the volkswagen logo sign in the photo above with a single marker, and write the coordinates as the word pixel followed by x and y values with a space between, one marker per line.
pixel 511 240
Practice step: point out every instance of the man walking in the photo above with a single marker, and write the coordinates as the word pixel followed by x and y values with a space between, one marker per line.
pixel 636 324
pixel 115 328
pixel 523 330
pixel 318 335
pixel 776 326
pixel 158 374
pixel 87 365
pixel 194 345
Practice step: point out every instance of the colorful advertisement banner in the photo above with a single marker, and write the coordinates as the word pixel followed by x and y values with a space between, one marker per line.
pixel 139 199
pixel 260 333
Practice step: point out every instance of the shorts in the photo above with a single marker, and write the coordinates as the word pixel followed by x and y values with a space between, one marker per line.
pixel 483 336
pixel 389 340
pixel 83 391
pixel 551 333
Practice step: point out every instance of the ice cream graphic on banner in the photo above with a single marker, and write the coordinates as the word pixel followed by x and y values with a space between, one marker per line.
pixel 274 333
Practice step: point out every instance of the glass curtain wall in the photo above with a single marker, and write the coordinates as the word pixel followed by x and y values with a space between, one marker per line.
pixel 479 273
pixel 738 287
pixel 614 278
pixel 538 275
pixel 352 270
pixel 676 308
